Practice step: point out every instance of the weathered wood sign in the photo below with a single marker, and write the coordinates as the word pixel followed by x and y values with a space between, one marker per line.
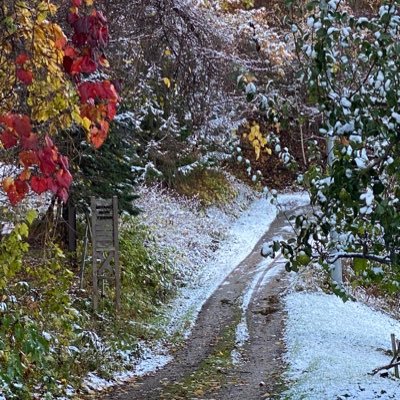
pixel 105 247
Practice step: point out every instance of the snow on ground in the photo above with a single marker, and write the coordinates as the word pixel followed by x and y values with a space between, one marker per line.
pixel 262 276
pixel 181 224
pixel 209 244
pixel 332 347
pixel 240 240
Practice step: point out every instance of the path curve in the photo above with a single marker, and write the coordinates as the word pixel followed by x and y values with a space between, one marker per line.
pixel 235 348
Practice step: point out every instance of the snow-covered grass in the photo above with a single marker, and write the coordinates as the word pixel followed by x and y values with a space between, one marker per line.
pixel 333 346
pixel 182 224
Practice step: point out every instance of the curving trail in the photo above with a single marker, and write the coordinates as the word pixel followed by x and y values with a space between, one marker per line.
pixel 235 348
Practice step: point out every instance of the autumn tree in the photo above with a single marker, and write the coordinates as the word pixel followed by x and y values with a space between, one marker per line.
pixel 45 88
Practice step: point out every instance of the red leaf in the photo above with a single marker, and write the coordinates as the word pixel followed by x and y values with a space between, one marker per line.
pixel 64 162
pixel 29 142
pixel 60 42
pixel 72 18
pixel 103 36
pixel 62 194
pixel 21 59
pixel 76 3
pixel 79 39
pixel 67 63
pixel 88 65
pixel 21 187
pixel 7 120
pixel 22 125
pixel 46 163
pixel 39 184
pixel 86 91
pixel 49 141
pixel 14 197
pixel 64 178
pixel 111 91
pixel 98 136
pixel 70 52
pixel 111 110
pixel 53 186
pixel 25 76
pixel 8 139
pixel 28 158
pixel 101 17
pixel 82 26
pixel 16 191
pixel 76 66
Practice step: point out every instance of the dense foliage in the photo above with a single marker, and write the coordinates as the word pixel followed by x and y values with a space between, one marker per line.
pixel 351 68
pixel 43 92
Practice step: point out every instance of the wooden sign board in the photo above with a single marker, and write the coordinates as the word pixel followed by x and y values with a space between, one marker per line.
pixel 105 246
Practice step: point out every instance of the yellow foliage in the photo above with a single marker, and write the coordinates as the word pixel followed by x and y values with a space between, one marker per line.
pixel 257 140
pixel 51 96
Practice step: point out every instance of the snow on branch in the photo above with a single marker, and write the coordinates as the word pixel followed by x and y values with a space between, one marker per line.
pixel 371 257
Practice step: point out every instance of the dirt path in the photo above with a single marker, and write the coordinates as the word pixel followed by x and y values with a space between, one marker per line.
pixel 235 349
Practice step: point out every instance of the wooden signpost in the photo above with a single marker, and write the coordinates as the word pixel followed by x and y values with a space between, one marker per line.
pixel 105 248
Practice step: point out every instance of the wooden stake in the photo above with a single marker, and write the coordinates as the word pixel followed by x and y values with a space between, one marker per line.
pixel 94 263
pixel 116 256
pixel 395 354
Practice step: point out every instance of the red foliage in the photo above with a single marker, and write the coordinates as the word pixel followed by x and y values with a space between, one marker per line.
pixel 84 55
pixel 43 167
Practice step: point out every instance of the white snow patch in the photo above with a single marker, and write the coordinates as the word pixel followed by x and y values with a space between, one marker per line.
pixel 260 279
pixel 241 239
pixel 333 346
pixel 151 362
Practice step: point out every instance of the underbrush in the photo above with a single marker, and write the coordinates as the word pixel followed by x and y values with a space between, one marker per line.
pixel 50 339
pixel 147 271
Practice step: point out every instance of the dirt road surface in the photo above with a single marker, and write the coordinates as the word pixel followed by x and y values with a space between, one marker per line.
pixel 235 349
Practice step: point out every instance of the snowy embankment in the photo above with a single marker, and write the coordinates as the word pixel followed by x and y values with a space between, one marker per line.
pixel 332 347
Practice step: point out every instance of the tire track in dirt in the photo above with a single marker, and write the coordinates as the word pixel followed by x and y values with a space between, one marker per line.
pixel 235 348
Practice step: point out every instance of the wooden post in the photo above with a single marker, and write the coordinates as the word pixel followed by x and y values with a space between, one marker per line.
pixel 117 269
pixel 94 260
pixel 395 350
pixel 105 248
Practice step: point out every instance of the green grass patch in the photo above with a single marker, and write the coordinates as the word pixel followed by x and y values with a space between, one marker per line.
pixel 208 185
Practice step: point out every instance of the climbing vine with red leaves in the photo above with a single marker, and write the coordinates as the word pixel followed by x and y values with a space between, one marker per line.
pixel 51 84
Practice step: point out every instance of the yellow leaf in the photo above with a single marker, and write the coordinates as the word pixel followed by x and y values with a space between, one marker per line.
pixel 167 82
pixel 89 2
pixel 167 52
pixel 257 150
pixel 86 123
pixel 77 117
pixel 268 150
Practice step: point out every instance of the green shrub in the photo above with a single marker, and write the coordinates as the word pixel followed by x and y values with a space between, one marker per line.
pixel 147 274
